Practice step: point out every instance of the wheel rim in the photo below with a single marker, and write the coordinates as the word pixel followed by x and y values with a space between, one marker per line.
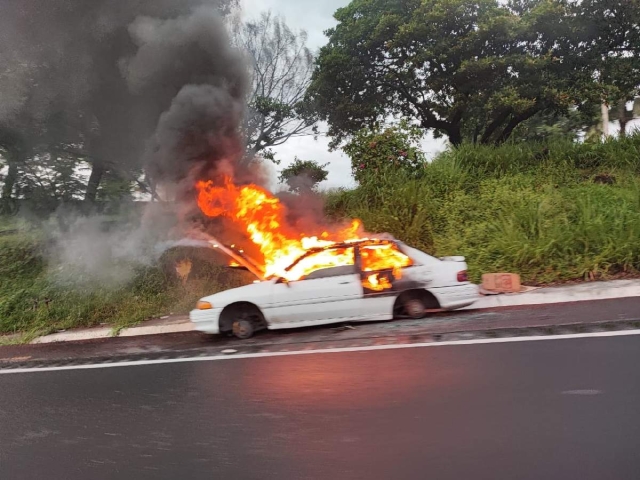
pixel 239 328
pixel 414 308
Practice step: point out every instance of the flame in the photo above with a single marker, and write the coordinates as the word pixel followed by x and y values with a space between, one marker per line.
pixel 263 219
pixel 376 283
pixel 382 257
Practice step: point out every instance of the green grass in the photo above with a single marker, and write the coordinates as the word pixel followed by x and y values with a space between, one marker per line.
pixel 35 301
pixel 552 213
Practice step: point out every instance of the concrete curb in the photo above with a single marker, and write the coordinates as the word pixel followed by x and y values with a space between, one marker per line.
pixel 563 294
pixel 542 296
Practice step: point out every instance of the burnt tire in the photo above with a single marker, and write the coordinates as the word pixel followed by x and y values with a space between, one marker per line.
pixel 414 307
pixel 243 329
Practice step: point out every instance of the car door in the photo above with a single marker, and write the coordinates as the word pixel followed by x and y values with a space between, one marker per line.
pixel 381 282
pixel 326 294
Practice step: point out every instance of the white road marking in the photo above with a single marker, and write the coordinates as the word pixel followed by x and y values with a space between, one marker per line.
pixel 321 350
pixel 582 392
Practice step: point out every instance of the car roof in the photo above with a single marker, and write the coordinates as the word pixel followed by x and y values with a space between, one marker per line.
pixel 345 244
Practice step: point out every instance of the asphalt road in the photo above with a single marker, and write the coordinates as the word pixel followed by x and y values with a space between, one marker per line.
pixel 623 313
pixel 551 409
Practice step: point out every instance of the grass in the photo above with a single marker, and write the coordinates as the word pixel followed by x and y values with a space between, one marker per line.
pixel 552 213
pixel 34 300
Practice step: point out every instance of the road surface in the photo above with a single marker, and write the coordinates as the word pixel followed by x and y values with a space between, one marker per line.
pixel 547 409
pixel 503 322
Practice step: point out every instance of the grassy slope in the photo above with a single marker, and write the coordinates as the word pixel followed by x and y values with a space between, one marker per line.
pixel 506 209
pixel 517 208
pixel 26 283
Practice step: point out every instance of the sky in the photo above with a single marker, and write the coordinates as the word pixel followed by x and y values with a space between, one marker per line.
pixel 316 16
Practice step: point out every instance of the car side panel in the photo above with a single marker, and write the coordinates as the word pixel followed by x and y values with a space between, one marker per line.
pixel 308 302
pixel 456 296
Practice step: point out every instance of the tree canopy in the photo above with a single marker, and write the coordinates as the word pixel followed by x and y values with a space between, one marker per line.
pixel 303 175
pixel 467 69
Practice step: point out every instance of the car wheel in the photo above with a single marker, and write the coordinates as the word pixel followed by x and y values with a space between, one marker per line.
pixel 415 308
pixel 243 329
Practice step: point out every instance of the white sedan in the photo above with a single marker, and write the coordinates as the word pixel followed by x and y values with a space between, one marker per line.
pixel 352 292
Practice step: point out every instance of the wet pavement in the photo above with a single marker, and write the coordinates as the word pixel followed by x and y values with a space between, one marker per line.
pixel 555 409
pixel 515 321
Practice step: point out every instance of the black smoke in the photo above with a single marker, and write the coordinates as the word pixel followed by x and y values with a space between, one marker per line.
pixel 151 84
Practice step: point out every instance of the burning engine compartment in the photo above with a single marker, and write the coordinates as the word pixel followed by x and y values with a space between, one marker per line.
pixel 279 249
pixel 201 160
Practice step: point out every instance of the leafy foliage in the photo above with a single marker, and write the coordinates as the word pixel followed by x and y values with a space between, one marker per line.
pixel 551 212
pixel 303 175
pixel 373 152
pixel 466 69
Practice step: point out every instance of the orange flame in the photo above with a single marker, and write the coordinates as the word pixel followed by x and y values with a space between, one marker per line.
pixel 383 256
pixel 376 283
pixel 263 218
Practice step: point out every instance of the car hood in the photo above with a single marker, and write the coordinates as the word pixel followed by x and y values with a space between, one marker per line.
pixel 241 259
pixel 244 293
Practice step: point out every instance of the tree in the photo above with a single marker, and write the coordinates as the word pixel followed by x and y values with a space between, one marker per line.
pixel 546 126
pixel 281 67
pixel 623 115
pixel 609 32
pixel 374 151
pixel 303 175
pixel 467 69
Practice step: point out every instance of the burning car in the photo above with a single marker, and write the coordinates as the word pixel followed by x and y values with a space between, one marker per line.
pixel 353 280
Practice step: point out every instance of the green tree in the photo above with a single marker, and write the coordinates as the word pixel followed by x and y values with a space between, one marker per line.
pixel 609 32
pixel 303 175
pixel 467 69
pixel 374 151
pixel 548 126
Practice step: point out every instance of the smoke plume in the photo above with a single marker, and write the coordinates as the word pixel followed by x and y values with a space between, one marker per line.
pixel 144 84
pixel 134 82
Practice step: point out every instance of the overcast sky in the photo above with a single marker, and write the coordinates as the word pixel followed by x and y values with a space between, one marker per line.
pixel 315 16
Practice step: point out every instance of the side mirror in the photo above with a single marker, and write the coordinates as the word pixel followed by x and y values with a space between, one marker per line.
pixel 283 280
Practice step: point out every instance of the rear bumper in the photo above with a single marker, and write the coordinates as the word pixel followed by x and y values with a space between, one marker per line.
pixel 456 296
pixel 206 320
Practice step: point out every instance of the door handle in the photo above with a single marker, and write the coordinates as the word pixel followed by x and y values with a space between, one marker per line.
pixel 344 283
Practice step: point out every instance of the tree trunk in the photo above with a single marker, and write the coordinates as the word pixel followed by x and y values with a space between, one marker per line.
pixel 97 172
pixel 10 180
pixel 623 118
pixel 604 108
pixel 513 123
pixel 455 136
pixel 476 134
pixel 493 126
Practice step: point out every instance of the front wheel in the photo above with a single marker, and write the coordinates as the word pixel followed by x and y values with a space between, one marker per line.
pixel 243 329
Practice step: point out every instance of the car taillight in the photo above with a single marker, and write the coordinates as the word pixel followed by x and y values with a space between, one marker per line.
pixel 462 276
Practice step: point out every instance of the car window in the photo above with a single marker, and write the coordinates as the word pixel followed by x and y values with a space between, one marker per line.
pixel 331 272
pixel 324 259
pixel 382 257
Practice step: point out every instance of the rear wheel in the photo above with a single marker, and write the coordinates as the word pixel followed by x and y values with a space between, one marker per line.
pixel 415 304
pixel 415 307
